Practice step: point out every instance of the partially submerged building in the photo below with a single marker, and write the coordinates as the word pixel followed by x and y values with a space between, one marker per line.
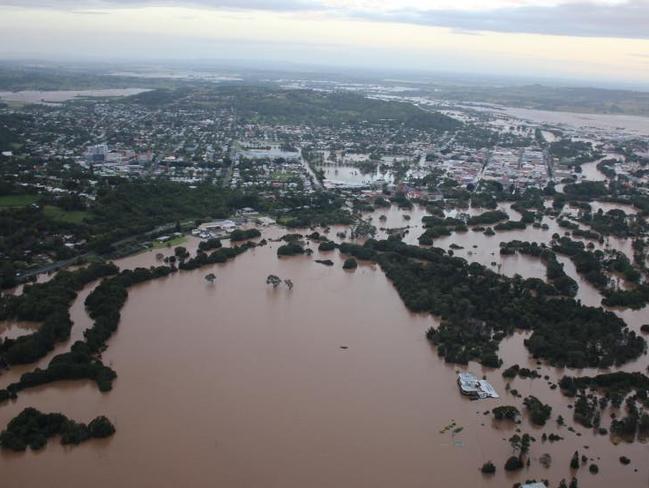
pixel 474 387
pixel 223 225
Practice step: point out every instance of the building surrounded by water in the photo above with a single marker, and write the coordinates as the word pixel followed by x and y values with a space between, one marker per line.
pixel 475 388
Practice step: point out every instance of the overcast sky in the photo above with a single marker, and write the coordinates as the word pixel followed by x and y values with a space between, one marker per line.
pixel 586 39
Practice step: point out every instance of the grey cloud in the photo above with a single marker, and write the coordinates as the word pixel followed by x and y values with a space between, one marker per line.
pixel 585 19
pixel 466 32
pixel 90 12
pixel 272 5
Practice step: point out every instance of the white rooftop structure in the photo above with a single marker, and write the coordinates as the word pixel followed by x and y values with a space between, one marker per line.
pixel 218 225
pixel 534 485
pixel 475 388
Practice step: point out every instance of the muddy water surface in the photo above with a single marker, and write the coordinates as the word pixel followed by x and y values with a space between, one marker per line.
pixel 332 384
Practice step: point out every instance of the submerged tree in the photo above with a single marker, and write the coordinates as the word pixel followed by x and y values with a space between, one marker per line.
pixel 210 277
pixel 363 229
pixel 181 253
pixel 289 283
pixel 273 280
pixel 574 461
pixel 488 468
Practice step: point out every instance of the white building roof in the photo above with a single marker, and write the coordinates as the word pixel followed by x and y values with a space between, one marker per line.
pixel 472 386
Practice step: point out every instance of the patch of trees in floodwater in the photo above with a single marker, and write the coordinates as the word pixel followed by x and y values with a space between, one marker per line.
pixel 478 308
pixel 32 428
pixel 594 265
pixel 435 281
pixel 594 394
pixel 47 303
pixel 83 361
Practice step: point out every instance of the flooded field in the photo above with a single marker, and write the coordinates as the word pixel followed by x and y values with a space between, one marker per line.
pixel 13 329
pixel 590 172
pixel 350 175
pixel 624 123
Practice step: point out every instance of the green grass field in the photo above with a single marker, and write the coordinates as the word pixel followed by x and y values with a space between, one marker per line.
pixel 8 201
pixel 60 215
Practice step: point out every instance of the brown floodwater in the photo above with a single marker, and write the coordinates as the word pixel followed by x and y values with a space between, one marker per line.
pixel 331 384
pixel 486 249
pixel 16 328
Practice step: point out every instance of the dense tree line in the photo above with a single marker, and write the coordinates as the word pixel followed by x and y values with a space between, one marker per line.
pixel 27 232
pixel 307 210
pixel 506 412
pixel 593 266
pixel 221 255
pixel 77 364
pixel 243 235
pixel 437 226
pixel 486 199
pixel 613 222
pixel 619 381
pixel 106 301
pixel 381 202
pixel 104 305
pixel 510 225
pixel 586 234
pixel 32 428
pixel 290 249
pixel 209 244
pixel 47 303
pixel 555 273
pixel 123 209
pixel 635 298
pixel 478 308
pixel 639 253
pixel 515 370
pixel 586 190
pixel 539 411
pixel 575 152
pixel 327 246
pixel 614 388
pixel 488 218
pixel 587 263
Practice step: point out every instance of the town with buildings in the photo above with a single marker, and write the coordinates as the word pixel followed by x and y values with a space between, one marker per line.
pixel 120 137
pixel 217 137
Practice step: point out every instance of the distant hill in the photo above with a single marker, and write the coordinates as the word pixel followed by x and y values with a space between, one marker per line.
pixel 276 105
pixel 560 99
pixel 19 77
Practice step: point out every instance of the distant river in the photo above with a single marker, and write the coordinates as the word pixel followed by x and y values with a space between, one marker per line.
pixel 60 96
pixel 627 123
